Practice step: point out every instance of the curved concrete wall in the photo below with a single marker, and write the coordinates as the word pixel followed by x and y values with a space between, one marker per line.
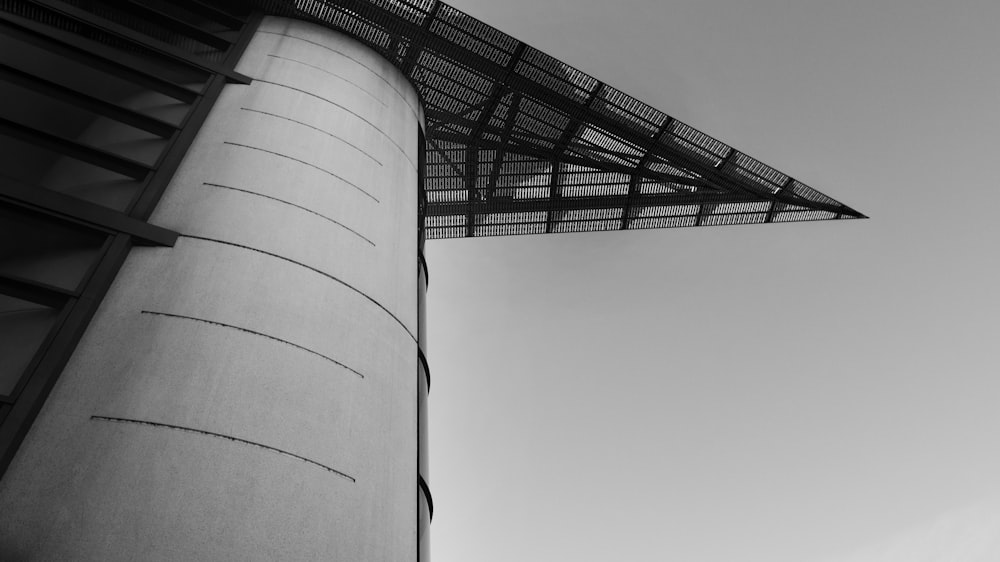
pixel 250 393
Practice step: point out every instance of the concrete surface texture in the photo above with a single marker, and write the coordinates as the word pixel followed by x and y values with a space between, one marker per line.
pixel 251 393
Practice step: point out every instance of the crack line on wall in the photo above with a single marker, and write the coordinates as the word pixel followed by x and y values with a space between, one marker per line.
pixel 328 133
pixel 222 436
pixel 247 191
pixel 325 171
pixel 348 57
pixel 245 330
pixel 309 267
pixel 335 104
pixel 337 76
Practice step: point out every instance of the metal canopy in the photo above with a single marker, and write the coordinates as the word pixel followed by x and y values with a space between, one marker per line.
pixel 521 143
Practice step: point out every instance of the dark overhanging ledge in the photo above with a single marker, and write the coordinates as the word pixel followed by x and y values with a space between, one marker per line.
pixel 125 227
pixel 96 56
pixel 159 47
pixel 80 211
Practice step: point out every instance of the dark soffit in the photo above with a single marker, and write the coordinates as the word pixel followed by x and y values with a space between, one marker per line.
pixel 521 143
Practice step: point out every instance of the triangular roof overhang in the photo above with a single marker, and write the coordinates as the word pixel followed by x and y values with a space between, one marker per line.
pixel 521 143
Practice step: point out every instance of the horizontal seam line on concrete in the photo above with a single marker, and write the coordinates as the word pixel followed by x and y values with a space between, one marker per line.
pixel 328 133
pixel 350 58
pixel 241 329
pixel 355 147
pixel 337 76
pixel 303 162
pixel 309 267
pixel 222 436
pixel 345 227
pixel 335 104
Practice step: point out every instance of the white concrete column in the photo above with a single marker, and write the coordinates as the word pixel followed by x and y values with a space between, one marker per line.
pixel 251 393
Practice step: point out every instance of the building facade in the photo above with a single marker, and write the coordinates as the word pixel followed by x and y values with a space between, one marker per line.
pixel 211 272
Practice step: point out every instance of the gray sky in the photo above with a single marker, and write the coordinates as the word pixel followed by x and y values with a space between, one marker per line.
pixel 805 392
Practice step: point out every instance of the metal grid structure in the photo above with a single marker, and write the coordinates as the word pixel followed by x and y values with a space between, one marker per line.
pixel 521 143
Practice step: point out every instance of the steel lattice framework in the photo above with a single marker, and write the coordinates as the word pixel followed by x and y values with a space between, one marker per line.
pixel 521 143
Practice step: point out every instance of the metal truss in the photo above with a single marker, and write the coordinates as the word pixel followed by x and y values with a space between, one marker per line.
pixel 521 143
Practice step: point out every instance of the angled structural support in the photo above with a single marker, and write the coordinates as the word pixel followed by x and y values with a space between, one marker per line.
pixel 97 116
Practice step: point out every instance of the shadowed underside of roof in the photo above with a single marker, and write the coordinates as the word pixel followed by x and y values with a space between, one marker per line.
pixel 521 143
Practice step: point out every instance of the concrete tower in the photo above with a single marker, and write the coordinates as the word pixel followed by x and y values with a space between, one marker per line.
pixel 212 341
pixel 251 392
